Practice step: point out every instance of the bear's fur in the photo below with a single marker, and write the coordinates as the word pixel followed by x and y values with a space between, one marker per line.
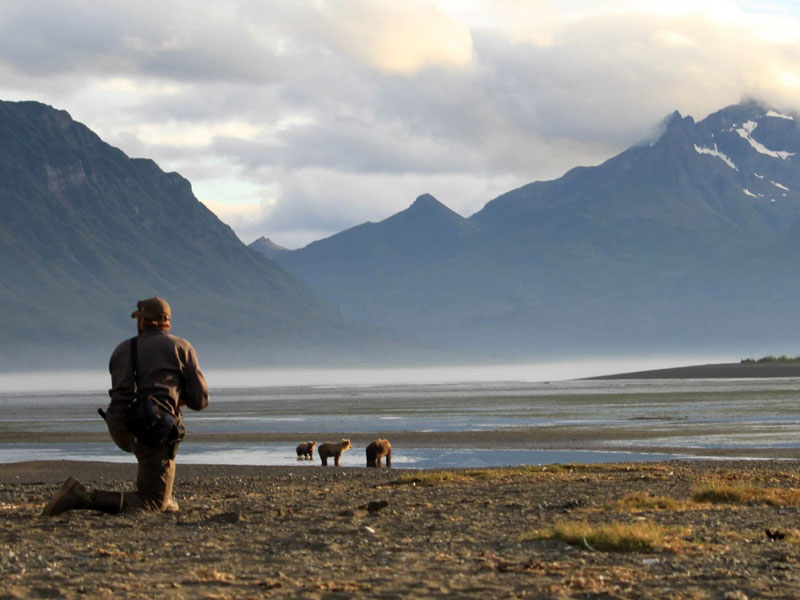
pixel 377 450
pixel 306 450
pixel 334 449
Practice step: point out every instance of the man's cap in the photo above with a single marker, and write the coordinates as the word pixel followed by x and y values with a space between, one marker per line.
pixel 152 309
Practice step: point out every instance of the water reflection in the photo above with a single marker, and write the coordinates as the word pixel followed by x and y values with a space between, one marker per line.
pixel 284 455
pixel 627 416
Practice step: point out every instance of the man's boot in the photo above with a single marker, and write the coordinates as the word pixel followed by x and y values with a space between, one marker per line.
pixel 73 495
pixel 107 502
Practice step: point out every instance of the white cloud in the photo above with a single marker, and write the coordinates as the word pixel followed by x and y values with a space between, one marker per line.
pixel 190 134
pixel 297 119
pixel 398 37
pixel 312 203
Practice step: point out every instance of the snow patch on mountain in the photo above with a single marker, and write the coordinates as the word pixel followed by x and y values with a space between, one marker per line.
pixel 746 131
pixel 749 193
pixel 778 185
pixel 778 115
pixel 715 152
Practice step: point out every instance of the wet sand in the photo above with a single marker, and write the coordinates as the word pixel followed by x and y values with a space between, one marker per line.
pixel 328 533
pixel 566 437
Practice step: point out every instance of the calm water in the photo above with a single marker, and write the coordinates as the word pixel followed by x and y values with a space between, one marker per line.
pixel 694 416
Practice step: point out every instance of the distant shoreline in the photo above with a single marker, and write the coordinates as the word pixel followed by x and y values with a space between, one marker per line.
pixel 715 371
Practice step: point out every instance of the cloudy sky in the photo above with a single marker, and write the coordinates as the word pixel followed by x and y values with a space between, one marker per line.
pixel 295 119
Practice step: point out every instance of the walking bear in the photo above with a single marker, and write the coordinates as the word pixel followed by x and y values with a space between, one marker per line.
pixel 306 450
pixel 334 449
pixel 377 450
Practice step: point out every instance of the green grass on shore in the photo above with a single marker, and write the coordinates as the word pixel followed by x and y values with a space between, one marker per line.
pixel 783 358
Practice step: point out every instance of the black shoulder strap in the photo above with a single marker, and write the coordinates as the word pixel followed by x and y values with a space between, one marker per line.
pixel 135 363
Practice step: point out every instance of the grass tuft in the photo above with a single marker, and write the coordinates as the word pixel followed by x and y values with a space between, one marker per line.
pixel 718 492
pixel 429 478
pixel 612 537
pixel 643 501
pixel 568 470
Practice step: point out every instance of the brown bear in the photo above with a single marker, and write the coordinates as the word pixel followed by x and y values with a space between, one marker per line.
pixel 377 450
pixel 306 450
pixel 334 449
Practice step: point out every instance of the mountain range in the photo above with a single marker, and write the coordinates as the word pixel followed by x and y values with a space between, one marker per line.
pixel 689 241
pixel 86 231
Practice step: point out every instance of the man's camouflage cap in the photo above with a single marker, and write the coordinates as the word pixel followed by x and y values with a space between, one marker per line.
pixel 152 309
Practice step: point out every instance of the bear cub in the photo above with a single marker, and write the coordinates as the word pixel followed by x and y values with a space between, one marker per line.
pixel 377 450
pixel 306 450
pixel 334 449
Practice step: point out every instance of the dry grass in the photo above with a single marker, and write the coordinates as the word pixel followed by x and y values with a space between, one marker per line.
pixel 793 537
pixel 473 475
pixel 430 478
pixel 613 537
pixel 525 471
pixel 715 491
pixel 638 501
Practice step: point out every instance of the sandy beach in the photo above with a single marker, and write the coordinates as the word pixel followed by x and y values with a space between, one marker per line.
pixel 325 533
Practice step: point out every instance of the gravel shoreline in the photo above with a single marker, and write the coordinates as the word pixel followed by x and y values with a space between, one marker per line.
pixel 325 533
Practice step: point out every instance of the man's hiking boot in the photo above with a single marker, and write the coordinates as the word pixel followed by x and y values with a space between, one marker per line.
pixel 107 502
pixel 73 495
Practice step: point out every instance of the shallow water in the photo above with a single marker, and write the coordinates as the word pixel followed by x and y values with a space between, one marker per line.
pixel 681 414
pixel 227 453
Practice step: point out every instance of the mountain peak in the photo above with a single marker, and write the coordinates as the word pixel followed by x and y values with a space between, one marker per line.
pixel 427 211
pixel 265 241
pixel 678 123
pixel 426 200
pixel 267 247
pixel 674 117
pixel 427 203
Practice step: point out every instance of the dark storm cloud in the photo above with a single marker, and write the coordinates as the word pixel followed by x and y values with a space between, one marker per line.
pixel 167 40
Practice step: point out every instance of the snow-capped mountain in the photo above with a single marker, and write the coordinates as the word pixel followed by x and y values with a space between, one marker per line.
pixel 761 146
pixel 596 258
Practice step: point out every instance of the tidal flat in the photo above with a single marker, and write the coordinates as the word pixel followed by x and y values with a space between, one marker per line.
pixel 435 425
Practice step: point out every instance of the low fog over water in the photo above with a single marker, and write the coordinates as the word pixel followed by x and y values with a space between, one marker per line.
pixel 245 378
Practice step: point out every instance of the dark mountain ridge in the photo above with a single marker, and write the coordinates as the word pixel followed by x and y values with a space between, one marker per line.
pixel 85 231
